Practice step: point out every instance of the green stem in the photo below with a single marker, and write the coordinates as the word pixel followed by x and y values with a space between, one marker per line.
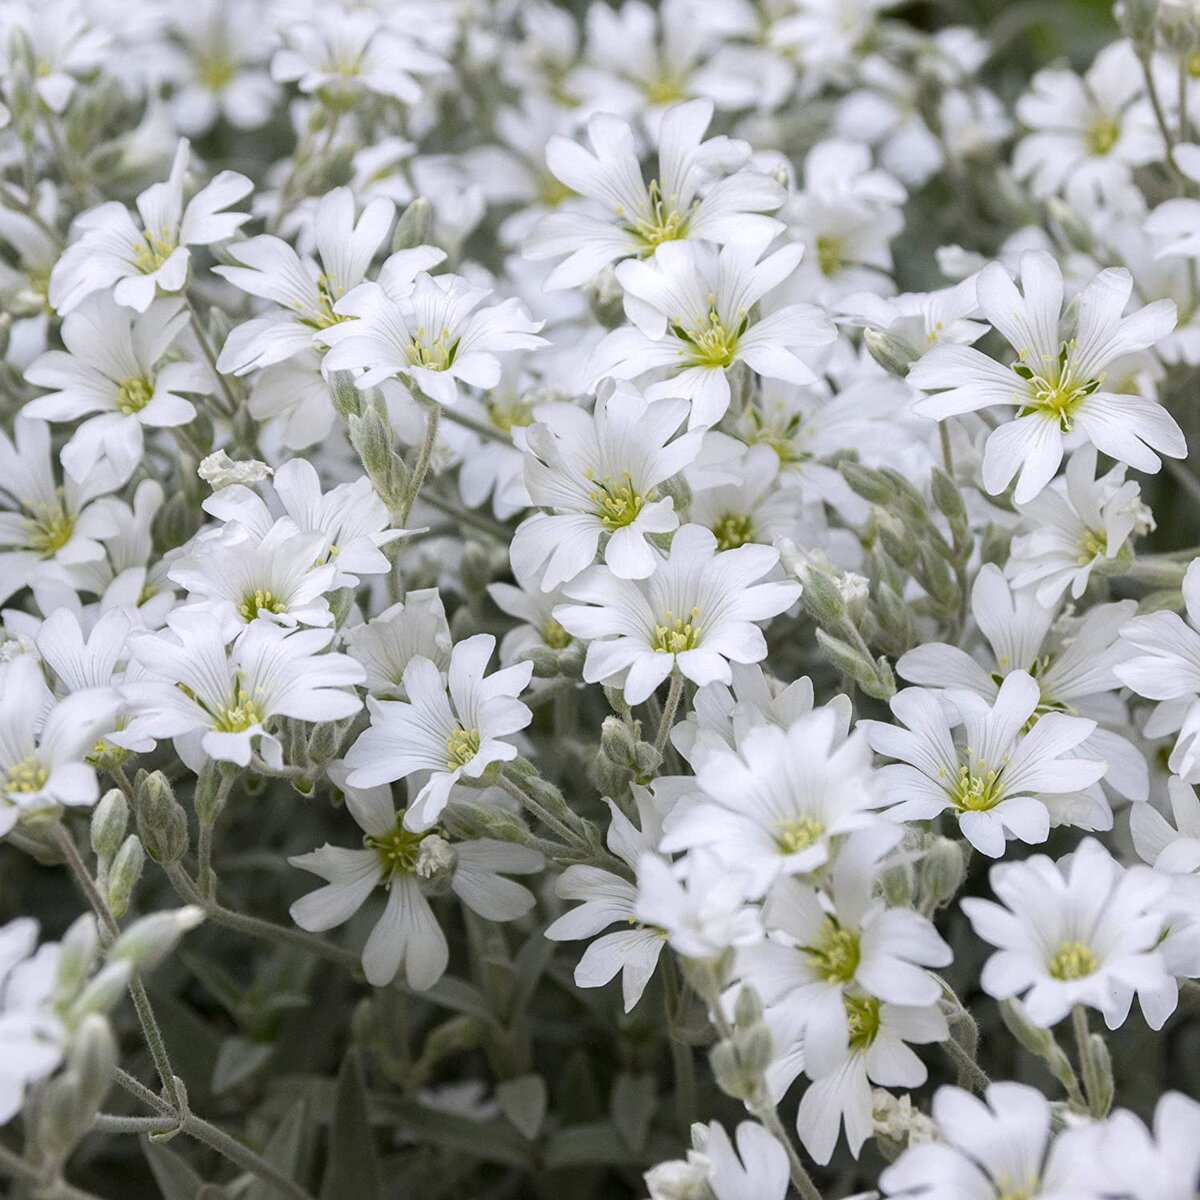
pixel 16 1167
pixel 464 515
pixel 1092 1086
pixel 567 835
pixel 109 933
pixel 674 695
pixel 210 357
pixel 683 1064
pixel 801 1179
pixel 947 451
pixel 421 466
pixel 968 1069
pixel 490 432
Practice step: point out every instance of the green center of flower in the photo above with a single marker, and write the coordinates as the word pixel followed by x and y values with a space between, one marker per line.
pixel 665 223
pixel 552 191
pixel 711 343
pixel 835 957
pixel 215 72
pixel 510 414
pixel 49 528
pixel 1092 545
pixel 664 89
pixel 831 253
pixel 798 834
pixel 26 777
pixel 1102 134
pixel 675 635
pixel 398 849
pixel 555 636
pixel 435 355
pixel 133 395
pixel 1073 960
pixel 1054 391
pixel 150 252
pixel 260 600
pixel 328 294
pixel 616 501
pixel 977 787
pixel 461 746
pixel 240 712
pixel 732 530
pixel 863 1021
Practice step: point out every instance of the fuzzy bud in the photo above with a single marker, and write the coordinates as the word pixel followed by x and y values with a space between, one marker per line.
pixel 347 399
pixel 149 940
pixel 124 874
pixel 109 822
pixel 942 871
pixel 103 991
pixel 892 353
pixel 415 225
pixel 162 823
pixel 77 955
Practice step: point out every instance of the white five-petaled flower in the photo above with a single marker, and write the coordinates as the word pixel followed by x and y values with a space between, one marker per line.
pixel 621 215
pixel 1083 930
pixel 996 780
pixel 406 862
pixel 599 477
pixel 449 728
pixel 434 337
pixel 697 613
pixel 304 290
pixel 693 313
pixel 609 899
pixel 773 805
pixel 1165 666
pixel 44 744
pixel 1057 380
pixel 217 700
pixel 116 366
pixel 137 259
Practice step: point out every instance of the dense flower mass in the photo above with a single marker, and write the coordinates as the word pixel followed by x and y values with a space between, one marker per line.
pixel 600 598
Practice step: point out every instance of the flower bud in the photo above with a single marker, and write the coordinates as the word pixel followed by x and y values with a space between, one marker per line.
pixel 109 822
pixel 149 940
pixel 347 399
pixel 617 741
pixel 942 871
pixel 162 823
pixel 77 955
pixel 415 225
pixel 103 991
pixel 124 874
pixel 892 353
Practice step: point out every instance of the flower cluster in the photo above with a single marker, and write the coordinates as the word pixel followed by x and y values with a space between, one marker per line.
pixel 498 498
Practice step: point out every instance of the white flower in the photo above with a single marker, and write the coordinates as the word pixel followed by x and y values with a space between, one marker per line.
pixel 1166 667
pixel 217 701
pixel 48 529
pixel 433 337
pixel 350 517
pixel 338 54
pixel 699 902
pixel 137 260
pixel 773 806
pixel 1072 660
pixel 235 573
pixel 221 69
pixel 621 215
pixel 600 478
pixel 1175 224
pixel 697 613
pixel 1123 1158
pixel 64 46
pixel 451 728
pixel 847 215
pixel 44 743
pixel 385 645
pixel 1057 380
pixel 1084 930
pixel 756 1170
pixel 692 309
pixel 996 1146
pixel 407 864
pixel 1090 132
pixel 609 899
pixel 996 780
pixel 1074 527
pixel 32 1034
pixel 304 290
pixel 113 366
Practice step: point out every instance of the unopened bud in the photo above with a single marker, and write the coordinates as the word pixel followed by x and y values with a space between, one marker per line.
pixel 347 399
pixel 124 874
pixel 149 940
pixel 942 871
pixel 77 954
pixel 162 823
pixel 415 225
pixel 893 354
pixel 103 991
pixel 109 822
